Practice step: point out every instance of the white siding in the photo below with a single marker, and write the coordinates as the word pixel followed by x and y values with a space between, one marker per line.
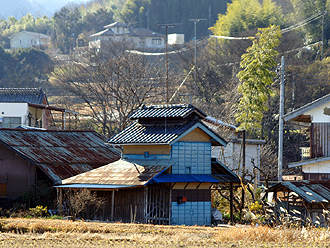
pixel 14 110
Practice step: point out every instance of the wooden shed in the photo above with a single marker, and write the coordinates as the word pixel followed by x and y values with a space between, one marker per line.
pixel 306 199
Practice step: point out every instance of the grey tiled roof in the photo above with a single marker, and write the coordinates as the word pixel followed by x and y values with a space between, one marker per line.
pixel 162 111
pixel 136 133
pixel 26 95
pixel 140 32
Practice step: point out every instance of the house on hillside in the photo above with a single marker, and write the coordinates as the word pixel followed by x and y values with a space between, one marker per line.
pixel 27 107
pixel 39 158
pixel 27 39
pixel 117 31
pixel 231 155
pixel 166 173
pixel 315 163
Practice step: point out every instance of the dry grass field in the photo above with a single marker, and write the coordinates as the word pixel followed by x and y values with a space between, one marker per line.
pixel 62 233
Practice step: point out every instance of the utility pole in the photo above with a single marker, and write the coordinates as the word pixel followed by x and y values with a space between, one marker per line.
pixel 195 23
pixel 209 20
pixel 322 33
pixel 166 57
pixel 147 14
pixel 280 140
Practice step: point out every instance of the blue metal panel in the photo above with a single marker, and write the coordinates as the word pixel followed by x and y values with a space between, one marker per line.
pixel 191 213
pixel 175 178
pixel 196 155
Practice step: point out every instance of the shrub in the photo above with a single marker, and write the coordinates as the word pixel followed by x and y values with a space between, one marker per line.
pixel 38 211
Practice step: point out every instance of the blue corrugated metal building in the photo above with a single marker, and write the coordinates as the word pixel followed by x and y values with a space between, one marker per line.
pixel 166 172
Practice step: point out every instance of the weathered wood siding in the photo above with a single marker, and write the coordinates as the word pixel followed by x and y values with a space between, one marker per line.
pixel 319 140
pixel 141 149
pixel 197 135
pixel 129 205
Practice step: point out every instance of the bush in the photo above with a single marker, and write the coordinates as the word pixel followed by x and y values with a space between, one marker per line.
pixel 38 211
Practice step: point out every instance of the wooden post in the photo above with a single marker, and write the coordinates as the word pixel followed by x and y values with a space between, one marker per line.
pixel 243 168
pixel 275 205
pixel 112 205
pixel 231 204
pixel 63 120
pixel 170 206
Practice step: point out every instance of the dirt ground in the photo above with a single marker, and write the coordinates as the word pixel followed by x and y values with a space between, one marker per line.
pixel 60 233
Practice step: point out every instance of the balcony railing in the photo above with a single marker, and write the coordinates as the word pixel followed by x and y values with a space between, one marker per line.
pixel 305 153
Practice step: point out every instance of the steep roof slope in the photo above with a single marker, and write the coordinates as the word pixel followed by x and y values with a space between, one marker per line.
pixel 60 154
pixel 22 95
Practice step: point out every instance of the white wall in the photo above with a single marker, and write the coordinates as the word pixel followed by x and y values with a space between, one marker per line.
pixel 232 153
pixel 320 167
pixel 14 110
pixel 25 40
pixel 318 115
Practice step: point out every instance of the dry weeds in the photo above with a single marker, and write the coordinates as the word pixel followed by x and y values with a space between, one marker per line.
pixel 62 233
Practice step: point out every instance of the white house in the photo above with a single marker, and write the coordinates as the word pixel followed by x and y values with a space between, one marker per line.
pixel 231 155
pixel 315 163
pixel 117 31
pixel 27 39
pixel 24 107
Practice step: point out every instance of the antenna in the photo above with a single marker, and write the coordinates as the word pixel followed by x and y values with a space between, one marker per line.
pixel 195 22
pixel 166 58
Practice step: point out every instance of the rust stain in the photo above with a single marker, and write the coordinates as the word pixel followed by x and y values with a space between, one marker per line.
pixel 60 154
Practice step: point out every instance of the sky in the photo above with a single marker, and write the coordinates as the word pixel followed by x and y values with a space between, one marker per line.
pixel 19 8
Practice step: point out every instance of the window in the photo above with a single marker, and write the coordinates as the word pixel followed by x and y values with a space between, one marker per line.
pixel 142 41
pixel 156 41
pixel 11 122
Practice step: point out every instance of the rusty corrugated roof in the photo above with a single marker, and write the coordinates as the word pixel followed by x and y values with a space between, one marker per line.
pixel 123 172
pixel 60 154
pixel 312 191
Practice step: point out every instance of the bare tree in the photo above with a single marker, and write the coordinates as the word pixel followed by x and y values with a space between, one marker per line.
pixel 112 83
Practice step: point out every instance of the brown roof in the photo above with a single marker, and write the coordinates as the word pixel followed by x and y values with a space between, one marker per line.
pixel 60 154
pixel 123 172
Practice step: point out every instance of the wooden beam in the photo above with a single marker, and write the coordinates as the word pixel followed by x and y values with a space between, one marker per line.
pixel 112 205
pixel 231 204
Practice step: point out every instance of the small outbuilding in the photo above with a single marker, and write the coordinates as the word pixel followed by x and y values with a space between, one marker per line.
pixel 306 199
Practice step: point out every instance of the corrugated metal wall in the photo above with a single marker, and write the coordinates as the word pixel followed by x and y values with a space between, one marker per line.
pixel 320 137
pixel 193 157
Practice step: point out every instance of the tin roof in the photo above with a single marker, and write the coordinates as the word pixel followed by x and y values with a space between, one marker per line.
pixel 222 173
pixel 23 95
pixel 161 134
pixel 168 111
pixel 184 178
pixel 60 154
pixel 312 191
pixel 123 172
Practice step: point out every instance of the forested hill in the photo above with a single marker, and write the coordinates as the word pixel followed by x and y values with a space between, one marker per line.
pixel 174 11
pixel 81 20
